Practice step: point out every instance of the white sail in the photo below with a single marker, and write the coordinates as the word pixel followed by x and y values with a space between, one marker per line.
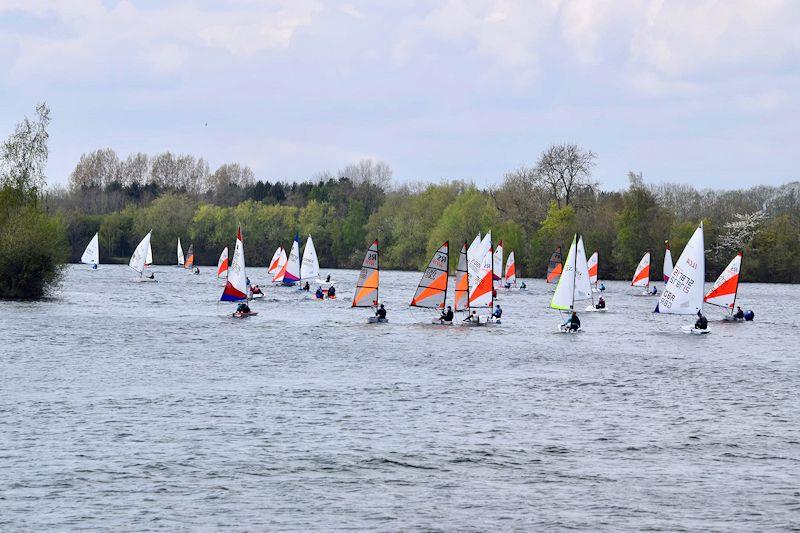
pixel 91 255
pixel 481 295
pixel 292 273
pixel 149 260
pixel 274 263
pixel 641 278
pixel 181 259
pixel 593 268
pixel 683 293
pixel 511 269
pixel 309 267
pixel 139 256
pixel 236 287
pixel 222 264
pixel 497 265
pixel 475 255
pixel 563 297
pixel 583 285
pixel 725 289
pixel 668 266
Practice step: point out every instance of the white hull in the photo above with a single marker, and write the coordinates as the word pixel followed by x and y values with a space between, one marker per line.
pixel 565 329
pixel 731 318
pixel 593 309
pixel 256 296
pixel 691 330
pixel 145 280
pixel 376 320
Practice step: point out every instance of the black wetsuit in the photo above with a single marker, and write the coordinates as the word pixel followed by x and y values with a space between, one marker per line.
pixel 574 323
pixel 702 323
pixel 381 313
pixel 739 314
pixel 447 316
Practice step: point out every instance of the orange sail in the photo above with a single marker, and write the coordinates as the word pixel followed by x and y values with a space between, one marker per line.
pixel 366 294
pixel 432 288
pixel 554 266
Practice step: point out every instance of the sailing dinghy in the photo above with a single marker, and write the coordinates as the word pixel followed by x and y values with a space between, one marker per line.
pixel 236 286
pixel 366 294
pixel 309 266
pixel 641 277
pixel 683 293
pixel 554 266
pixel 181 258
pixel 594 270
pixel 91 255
pixel 668 266
pixel 431 292
pixel 481 289
pixel 497 264
pixel 461 292
pixel 511 271
pixel 280 267
pixel 189 257
pixel 291 274
pixel 724 291
pixel 273 264
pixel 573 285
pixel 139 258
pixel 222 264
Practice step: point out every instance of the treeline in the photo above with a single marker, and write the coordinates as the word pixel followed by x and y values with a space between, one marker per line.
pixel 533 210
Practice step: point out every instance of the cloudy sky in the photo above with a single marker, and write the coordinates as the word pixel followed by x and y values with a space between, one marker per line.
pixel 694 91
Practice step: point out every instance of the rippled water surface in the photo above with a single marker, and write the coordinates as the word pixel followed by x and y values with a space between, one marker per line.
pixel 128 406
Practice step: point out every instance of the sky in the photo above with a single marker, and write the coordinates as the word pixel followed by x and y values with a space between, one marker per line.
pixel 704 92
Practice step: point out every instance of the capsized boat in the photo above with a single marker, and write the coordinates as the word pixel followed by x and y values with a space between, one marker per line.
pixel 724 291
pixel 683 293
pixel 573 285
pixel 432 289
pixel 222 263
pixel 641 277
pixel 91 255
pixel 554 266
pixel 139 258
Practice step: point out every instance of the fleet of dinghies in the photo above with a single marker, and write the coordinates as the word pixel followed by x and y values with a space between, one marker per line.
pixel 479 271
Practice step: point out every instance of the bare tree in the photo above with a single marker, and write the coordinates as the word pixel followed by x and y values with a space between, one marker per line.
pixel 566 169
pixel 368 171
pixel 134 169
pixel 24 154
pixel 95 169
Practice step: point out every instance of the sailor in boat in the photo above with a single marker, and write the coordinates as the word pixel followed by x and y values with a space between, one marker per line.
pixel 507 285
pixel 151 276
pixel 601 304
pixel 523 286
pixel 381 313
pixel 473 317
pixel 243 308
pixel 573 323
pixel 319 295
pixel 739 314
pixel 328 279
pixel 306 287
pixel 702 321
pixel 196 270
pixel 331 292
pixel 447 316
pixel 497 312
pixel 654 290
pixel 256 290
pixel 94 266
pixel 602 287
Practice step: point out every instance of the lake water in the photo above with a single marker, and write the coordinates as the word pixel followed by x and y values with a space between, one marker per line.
pixel 127 406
